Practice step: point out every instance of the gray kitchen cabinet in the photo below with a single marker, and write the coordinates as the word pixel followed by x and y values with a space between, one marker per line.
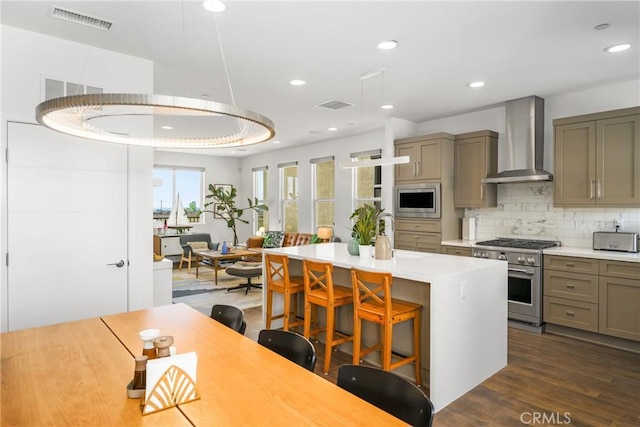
pixel 571 292
pixel 475 157
pixel 427 155
pixel 456 250
pixel 593 295
pixel 597 159
pixel 418 235
pixel 619 287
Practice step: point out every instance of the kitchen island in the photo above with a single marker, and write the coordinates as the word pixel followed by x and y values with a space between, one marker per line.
pixel 464 317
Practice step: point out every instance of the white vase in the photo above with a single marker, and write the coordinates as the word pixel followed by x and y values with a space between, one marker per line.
pixel 365 251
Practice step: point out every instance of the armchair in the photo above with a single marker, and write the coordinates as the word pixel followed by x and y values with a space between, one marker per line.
pixel 194 242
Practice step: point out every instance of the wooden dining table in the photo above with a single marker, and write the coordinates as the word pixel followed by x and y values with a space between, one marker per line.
pixel 75 374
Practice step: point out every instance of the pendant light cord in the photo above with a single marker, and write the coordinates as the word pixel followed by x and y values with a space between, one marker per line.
pixel 224 61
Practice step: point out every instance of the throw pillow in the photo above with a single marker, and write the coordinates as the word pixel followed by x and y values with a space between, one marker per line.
pixel 199 246
pixel 273 239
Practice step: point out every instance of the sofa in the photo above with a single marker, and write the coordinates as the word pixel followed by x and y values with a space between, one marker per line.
pixel 257 243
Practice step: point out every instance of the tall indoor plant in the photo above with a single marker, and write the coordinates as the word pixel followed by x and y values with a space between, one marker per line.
pixel 224 207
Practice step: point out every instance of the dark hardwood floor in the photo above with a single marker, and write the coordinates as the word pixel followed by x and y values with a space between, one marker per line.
pixel 549 380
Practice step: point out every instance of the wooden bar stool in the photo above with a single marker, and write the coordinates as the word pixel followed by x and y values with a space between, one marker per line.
pixel 372 302
pixel 278 280
pixel 319 290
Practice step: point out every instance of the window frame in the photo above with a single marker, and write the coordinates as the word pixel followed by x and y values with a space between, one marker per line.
pixel 264 171
pixel 285 201
pixel 199 203
pixel 314 191
pixel 377 176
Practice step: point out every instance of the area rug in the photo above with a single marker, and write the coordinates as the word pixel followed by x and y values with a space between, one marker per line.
pixel 202 293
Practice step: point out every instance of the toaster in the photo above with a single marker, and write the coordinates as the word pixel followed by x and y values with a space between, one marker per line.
pixel 612 241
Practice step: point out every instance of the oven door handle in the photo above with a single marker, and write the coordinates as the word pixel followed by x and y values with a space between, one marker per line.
pixel 518 270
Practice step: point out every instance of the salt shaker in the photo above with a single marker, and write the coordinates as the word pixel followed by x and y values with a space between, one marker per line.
pixel 148 335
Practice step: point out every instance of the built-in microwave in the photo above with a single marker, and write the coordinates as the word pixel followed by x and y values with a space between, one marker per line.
pixel 417 200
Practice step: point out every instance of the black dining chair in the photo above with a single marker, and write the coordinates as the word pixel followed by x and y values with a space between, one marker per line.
pixel 291 345
pixel 229 316
pixel 389 392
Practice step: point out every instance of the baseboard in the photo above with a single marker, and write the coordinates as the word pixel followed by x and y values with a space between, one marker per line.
pixel 592 337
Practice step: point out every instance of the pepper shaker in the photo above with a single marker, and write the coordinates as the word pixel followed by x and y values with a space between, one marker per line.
pixel 162 344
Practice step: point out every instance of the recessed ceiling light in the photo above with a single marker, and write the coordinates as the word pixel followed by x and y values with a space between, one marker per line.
pixel 276 142
pixel 167 127
pixel 476 84
pixel 214 5
pixel 618 48
pixel 386 106
pixel 601 27
pixel 387 44
pixel 333 129
pixel 297 82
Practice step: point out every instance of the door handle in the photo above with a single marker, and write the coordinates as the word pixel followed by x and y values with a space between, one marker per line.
pixel 118 264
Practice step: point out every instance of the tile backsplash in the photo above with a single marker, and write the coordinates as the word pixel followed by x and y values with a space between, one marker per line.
pixel 525 210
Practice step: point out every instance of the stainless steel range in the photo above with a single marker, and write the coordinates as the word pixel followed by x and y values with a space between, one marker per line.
pixel 524 258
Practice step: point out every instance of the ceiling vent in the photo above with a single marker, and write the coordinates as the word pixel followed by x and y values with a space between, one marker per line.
pixel 334 104
pixel 80 18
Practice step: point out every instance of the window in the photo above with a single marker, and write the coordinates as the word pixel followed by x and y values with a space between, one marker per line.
pixel 367 180
pixel 261 218
pixel 323 190
pixel 168 182
pixel 289 195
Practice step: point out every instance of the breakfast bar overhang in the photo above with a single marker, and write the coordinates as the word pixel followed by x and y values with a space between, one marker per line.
pixel 464 316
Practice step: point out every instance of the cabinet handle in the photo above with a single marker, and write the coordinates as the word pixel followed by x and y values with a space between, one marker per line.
pixel 570 313
pixel 571 286
pixel 569 264
pixel 481 191
pixel 418 168
pixel 591 185
pixel 598 190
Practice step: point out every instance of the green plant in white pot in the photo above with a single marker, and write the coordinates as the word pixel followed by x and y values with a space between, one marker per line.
pixel 365 221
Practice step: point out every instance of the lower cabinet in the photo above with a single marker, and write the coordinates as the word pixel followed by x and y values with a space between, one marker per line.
pixel 593 295
pixel 418 235
pixel 620 301
pixel 456 250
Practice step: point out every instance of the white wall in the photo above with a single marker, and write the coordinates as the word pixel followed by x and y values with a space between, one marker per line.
pixel 27 57
pixel 218 170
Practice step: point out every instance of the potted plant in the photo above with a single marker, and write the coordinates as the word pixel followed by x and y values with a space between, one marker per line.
pixel 224 206
pixel 365 221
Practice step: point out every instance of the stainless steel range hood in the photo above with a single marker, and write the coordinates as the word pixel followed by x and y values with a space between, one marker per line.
pixel 524 146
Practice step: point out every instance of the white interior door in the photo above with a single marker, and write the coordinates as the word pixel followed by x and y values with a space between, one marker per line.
pixel 67 227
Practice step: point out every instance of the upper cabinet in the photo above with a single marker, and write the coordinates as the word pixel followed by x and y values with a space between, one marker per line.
pixel 475 158
pixel 597 159
pixel 426 157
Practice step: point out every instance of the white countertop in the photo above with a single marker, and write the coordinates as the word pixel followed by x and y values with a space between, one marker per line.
pixel 419 266
pixel 566 251
pixel 459 243
pixel 591 253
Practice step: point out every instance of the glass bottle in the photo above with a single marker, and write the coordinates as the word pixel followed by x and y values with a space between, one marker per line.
pixel 148 335
pixel 140 373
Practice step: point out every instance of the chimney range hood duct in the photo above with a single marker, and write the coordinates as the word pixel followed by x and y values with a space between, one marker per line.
pixel 524 149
